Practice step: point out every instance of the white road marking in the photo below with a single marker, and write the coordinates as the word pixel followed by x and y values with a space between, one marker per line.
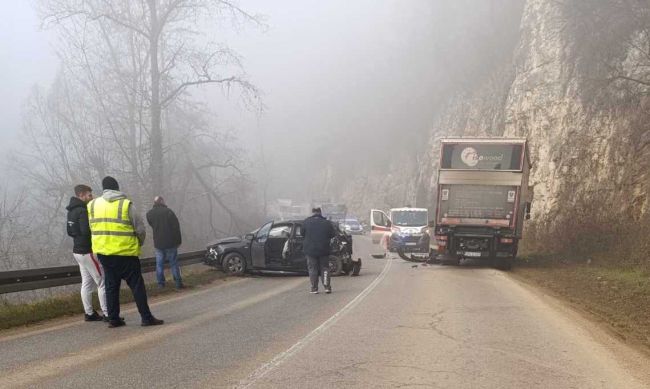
pixel 283 356
pixel 39 370
pixel 154 301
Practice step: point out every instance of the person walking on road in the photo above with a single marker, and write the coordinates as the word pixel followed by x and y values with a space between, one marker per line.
pixel 117 234
pixel 92 275
pixel 166 240
pixel 318 233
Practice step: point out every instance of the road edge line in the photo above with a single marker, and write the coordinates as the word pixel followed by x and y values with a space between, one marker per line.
pixel 300 344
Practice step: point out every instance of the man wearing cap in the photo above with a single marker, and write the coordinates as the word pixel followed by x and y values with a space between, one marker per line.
pixel 318 233
pixel 117 233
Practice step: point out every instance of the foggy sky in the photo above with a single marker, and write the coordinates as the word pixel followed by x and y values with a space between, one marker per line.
pixel 350 82
pixel 27 59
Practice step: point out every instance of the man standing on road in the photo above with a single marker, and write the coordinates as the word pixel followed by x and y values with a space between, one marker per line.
pixel 318 233
pixel 91 271
pixel 117 234
pixel 166 240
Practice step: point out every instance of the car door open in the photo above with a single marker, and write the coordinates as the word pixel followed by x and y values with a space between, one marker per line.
pixel 379 225
pixel 258 246
pixel 298 259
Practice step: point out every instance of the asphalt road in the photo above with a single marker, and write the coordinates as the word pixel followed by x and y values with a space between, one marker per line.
pixel 394 326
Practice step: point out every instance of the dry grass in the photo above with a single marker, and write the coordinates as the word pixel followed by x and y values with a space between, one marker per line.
pixel 619 296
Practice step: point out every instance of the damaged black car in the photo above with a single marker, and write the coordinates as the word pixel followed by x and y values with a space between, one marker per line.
pixel 277 246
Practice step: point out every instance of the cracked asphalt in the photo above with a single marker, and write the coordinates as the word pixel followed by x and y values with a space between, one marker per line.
pixel 395 326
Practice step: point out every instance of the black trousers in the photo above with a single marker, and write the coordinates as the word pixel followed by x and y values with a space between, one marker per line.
pixel 116 269
pixel 318 266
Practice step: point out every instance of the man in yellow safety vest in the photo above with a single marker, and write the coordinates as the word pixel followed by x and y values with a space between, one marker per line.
pixel 117 233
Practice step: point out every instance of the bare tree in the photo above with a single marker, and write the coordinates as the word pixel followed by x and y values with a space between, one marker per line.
pixel 156 50
pixel 121 105
pixel 12 228
pixel 69 140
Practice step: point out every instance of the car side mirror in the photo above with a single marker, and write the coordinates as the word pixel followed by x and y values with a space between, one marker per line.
pixel 432 223
pixel 249 236
pixel 388 223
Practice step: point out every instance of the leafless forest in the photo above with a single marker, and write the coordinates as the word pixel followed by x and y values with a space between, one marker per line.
pixel 346 106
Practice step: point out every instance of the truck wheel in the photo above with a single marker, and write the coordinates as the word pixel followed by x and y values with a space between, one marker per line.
pixel 504 264
pixel 234 264
pixel 450 261
pixel 433 258
pixel 335 266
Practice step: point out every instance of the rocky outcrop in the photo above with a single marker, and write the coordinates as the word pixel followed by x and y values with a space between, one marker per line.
pixel 588 129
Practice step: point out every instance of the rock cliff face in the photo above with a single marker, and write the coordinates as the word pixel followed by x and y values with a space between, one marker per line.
pixel 588 127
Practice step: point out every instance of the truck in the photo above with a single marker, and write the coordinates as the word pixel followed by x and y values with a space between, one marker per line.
pixel 403 230
pixel 335 212
pixel 483 199
pixel 287 209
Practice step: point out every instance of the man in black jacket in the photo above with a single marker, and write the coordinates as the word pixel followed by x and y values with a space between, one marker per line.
pixel 318 233
pixel 92 274
pixel 166 240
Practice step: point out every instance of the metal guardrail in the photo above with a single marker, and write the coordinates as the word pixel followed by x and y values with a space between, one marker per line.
pixel 47 277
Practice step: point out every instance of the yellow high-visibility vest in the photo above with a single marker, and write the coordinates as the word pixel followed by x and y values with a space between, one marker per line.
pixel 111 229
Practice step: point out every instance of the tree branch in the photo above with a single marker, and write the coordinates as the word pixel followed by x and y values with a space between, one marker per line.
pixel 628 78
pixel 208 80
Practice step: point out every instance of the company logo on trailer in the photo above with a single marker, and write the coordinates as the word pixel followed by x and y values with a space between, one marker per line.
pixel 471 158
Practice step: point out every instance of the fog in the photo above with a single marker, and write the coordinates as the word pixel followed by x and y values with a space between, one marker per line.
pixel 344 89
pixel 343 83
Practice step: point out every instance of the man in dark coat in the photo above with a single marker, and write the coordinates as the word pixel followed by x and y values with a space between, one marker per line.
pixel 318 233
pixel 92 274
pixel 166 240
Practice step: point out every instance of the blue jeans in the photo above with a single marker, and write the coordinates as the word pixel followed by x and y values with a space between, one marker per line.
pixel 171 255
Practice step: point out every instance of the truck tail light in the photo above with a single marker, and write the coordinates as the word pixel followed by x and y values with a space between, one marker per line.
pixel 507 240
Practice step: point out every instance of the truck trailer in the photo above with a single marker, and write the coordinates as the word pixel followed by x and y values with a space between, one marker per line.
pixel 483 199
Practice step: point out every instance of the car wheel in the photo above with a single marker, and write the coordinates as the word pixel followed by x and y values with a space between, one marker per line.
pixel 356 267
pixel 347 268
pixel 335 266
pixel 234 264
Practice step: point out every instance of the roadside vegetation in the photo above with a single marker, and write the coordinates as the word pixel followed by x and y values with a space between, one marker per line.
pixel 16 315
pixel 616 294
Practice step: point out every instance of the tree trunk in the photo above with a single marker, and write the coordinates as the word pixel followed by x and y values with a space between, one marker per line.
pixel 156 168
